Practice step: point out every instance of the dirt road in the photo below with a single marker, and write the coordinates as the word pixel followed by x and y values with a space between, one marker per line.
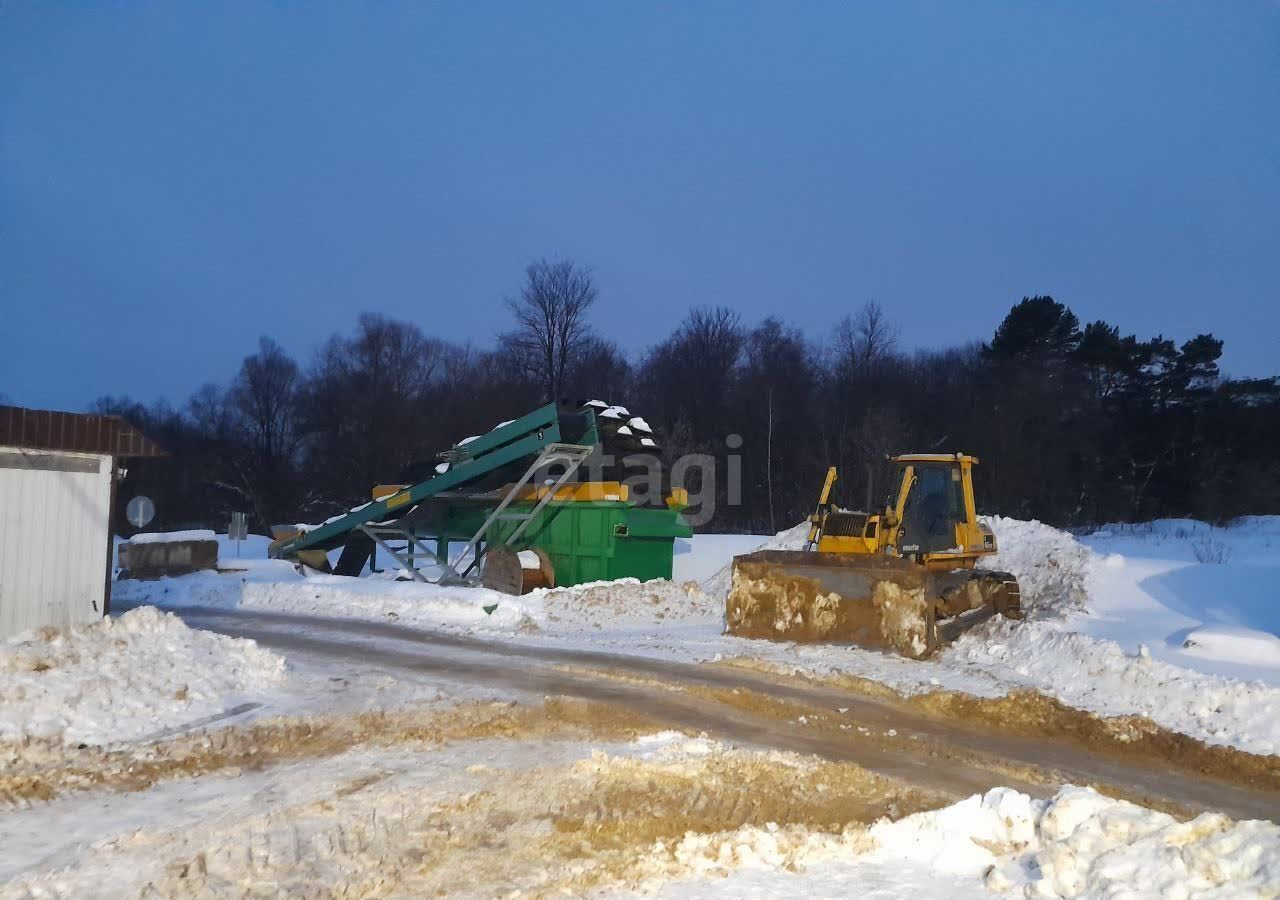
pixel 948 753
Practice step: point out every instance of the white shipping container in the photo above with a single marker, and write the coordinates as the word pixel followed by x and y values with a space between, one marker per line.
pixel 54 538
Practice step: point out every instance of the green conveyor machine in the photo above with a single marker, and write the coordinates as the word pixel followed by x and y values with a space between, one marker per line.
pixel 544 528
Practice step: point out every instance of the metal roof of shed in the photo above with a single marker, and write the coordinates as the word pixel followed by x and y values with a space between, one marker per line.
pixel 44 429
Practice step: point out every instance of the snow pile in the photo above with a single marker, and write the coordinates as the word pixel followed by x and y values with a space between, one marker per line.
pixel 1095 638
pixel 125 678
pixel 1088 845
pixel 790 848
pixel 1079 844
pixel 1099 676
pixel 626 602
pixel 793 538
pixel 1051 566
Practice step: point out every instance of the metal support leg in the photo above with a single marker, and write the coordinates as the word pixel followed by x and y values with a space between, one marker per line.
pixel 570 455
pixel 395 555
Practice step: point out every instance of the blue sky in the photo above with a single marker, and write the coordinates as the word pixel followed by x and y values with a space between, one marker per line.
pixel 177 179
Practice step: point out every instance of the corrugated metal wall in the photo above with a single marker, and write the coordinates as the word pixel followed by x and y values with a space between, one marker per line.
pixel 54 522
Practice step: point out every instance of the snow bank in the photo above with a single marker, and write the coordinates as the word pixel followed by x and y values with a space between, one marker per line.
pixel 276 586
pixel 1068 588
pixel 1099 676
pixel 1051 566
pixel 1088 845
pixel 1079 844
pixel 125 678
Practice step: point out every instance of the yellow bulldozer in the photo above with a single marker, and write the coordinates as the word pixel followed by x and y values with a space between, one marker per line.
pixel 904 578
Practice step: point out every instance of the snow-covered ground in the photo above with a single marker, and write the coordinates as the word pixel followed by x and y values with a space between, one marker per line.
pixel 1173 620
pixel 1199 596
pixel 505 817
pixel 1109 620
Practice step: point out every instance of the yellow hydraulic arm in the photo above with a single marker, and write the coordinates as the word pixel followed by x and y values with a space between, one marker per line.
pixel 820 513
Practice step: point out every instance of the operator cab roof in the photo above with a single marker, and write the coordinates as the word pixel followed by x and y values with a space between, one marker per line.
pixel 936 458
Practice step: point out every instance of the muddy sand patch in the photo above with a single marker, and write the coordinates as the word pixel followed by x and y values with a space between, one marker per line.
pixel 37 771
pixel 1030 714
pixel 602 821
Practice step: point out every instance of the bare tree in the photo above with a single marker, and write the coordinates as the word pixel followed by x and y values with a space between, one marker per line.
pixel 264 397
pixel 210 413
pixel 551 320
pixel 370 403
pixel 866 338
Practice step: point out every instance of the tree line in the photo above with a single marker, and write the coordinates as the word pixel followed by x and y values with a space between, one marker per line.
pixel 1073 425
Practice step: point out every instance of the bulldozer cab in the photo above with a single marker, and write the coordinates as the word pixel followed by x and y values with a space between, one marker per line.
pixel 935 512
pixel 929 516
pixel 930 506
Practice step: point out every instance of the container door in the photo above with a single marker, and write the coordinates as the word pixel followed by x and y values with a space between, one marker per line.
pixel 590 549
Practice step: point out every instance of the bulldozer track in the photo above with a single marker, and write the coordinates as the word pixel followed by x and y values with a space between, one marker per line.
pixel 1002 592
pixel 954 754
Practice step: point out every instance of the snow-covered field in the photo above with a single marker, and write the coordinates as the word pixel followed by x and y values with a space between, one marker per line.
pixel 1197 596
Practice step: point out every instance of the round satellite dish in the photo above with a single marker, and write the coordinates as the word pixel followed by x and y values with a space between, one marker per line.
pixel 140 511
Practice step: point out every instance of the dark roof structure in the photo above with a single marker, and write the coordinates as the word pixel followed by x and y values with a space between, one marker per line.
pixel 43 429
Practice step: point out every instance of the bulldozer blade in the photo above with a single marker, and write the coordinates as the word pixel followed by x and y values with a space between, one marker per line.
pixel 873 601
